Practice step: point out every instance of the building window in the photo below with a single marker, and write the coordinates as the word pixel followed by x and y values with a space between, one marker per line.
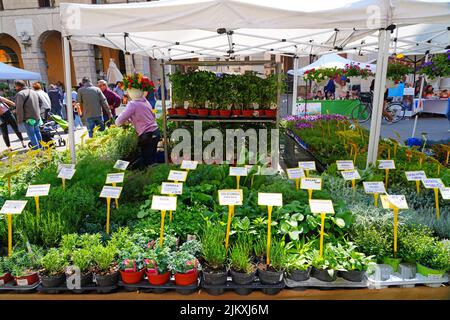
pixel 99 62
pixel 8 56
pixel 99 1
pixel 45 3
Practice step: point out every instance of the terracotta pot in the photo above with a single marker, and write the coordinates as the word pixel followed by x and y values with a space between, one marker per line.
pixel 203 112
pixel 172 111
pixel 192 111
pixel 27 280
pixel 259 112
pixel 182 112
pixel 247 113
pixel 225 113
pixel 214 113
pixel 186 279
pixel 4 279
pixel 236 112
pixel 132 277
pixel 158 279
pixel 271 113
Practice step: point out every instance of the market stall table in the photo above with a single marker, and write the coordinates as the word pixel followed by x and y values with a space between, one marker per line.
pixel 438 106
pixel 343 107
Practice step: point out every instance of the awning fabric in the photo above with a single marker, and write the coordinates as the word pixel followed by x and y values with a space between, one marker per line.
pixel 8 72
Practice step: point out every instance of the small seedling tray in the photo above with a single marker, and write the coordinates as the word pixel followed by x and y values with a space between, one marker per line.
pixel 146 287
pixel 87 289
pixel 395 279
pixel 242 289
pixel 316 283
pixel 11 286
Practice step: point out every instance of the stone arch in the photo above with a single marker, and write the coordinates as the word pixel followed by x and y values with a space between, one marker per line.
pixel 10 51
pixel 102 55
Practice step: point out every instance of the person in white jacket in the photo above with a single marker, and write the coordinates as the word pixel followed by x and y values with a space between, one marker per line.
pixel 45 100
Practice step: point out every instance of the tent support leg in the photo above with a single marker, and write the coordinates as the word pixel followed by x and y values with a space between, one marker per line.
pixel 422 83
pixel 68 81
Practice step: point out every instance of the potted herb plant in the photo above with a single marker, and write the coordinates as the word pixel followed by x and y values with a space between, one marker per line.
pixel 54 265
pixel 82 259
pixel 105 267
pixel 269 96
pixel 325 268
pixel 355 263
pixel 157 265
pixel 434 261
pixel 273 273
pixel 242 270
pixel 180 92
pixel 132 264
pixel 214 254
pixel 24 266
pixel 185 267
pixel 5 274
pixel 299 260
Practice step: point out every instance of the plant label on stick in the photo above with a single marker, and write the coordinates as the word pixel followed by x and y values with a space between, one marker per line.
pixel 433 183
pixel 65 166
pixel 345 165
pixel 321 206
pixel 270 199
pixel 238 171
pixel 38 190
pixel 113 178
pixel 176 176
pixel 445 193
pixel 415 175
pixel 386 164
pixel 13 206
pixel 189 165
pixel 311 183
pixel 111 192
pixel 231 197
pixel 171 188
pixel 372 187
pixel 164 203
pixel 307 165
pixel 66 173
pixel 295 173
pixel 121 165
pixel 350 175
pixel 393 201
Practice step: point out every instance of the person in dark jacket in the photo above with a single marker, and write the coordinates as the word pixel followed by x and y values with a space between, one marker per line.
pixel 56 100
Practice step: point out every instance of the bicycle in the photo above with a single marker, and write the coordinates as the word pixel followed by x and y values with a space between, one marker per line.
pixel 363 111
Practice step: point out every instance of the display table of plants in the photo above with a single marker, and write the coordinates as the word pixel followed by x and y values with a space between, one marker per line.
pixel 189 227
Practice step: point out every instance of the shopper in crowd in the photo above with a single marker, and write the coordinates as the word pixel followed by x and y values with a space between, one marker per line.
pixel 7 118
pixel 428 92
pixel 140 114
pixel 92 101
pixel 159 96
pixel 46 104
pixel 151 98
pixel 443 94
pixel 319 95
pixel 113 99
pixel 28 112
pixel 119 89
pixel 330 89
pixel 56 99
pixel 78 124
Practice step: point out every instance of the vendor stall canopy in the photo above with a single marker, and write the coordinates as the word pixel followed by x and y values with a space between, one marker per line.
pixel 180 29
pixel 8 72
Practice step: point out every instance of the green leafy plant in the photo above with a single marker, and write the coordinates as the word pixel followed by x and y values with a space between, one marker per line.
pixel 53 262
pixel 82 258
pixel 193 247
pixel 183 262
pixel 213 247
pixel 158 259
pixel 24 262
pixel 278 259
pixel 299 255
pixel 103 259
pixel 240 260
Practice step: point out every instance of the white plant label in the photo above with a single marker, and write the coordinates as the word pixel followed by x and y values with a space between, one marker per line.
pixel 311 183
pixel 321 206
pixel 172 188
pixel 307 165
pixel 175 175
pixel 38 190
pixel 350 175
pixel 111 192
pixel 121 165
pixel 65 166
pixel 270 199
pixel 115 178
pixel 13 206
pixel 22 282
pixel 345 165
pixel 386 164
pixel 415 175
pixel 390 201
pixel 445 192
pixel 231 197
pixel 164 203
pixel 374 187
pixel 2 282
pixel 189 165
pixel 66 173
pixel 295 173
pixel 433 183
pixel 238 171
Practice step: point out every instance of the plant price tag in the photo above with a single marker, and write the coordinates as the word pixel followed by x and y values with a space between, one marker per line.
pixel 350 175
pixel 38 190
pixel 66 173
pixel 386 164
pixel 175 175
pixel 345 165
pixel 390 201
pixel 445 192
pixel 371 187
pixel 13 206
pixel 111 192
pixel 115 178
pixel 231 197
pixel 295 173
pixel 164 203
pixel 321 206
pixel 415 175
pixel 121 165
pixel 270 199
pixel 433 183
pixel 172 188
pixel 65 166
pixel 238 171
pixel 307 165
pixel 189 165
pixel 311 183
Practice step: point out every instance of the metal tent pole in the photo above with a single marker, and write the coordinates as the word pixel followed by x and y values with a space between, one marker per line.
pixel 422 83
pixel 295 84
pixel 68 81
pixel 378 98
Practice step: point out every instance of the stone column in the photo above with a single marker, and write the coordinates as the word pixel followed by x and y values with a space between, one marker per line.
pixel 141 64
pixel 35 61
pixel 84 61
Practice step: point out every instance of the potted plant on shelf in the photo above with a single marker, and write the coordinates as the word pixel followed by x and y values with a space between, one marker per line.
pixel 105 267
pixel 325 268
pixel 180 93
pixel 54 265
pixel 248 93
pixel 157 265
pixel 242 270
pixel 185 267
pixel 299 260
pixel 5 273
pixel 434 260
pixel 273 272
pixel 82 259
pixel 132 264
pixel 355 263
pixel 269 95
pixel 24 266
pixel 214 254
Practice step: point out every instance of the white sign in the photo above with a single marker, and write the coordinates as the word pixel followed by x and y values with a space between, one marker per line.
pixel 295 173
pixel 111 192
pixel 311 108
pixel 238 171
pixel 13 207
pixel 121 165
pixel 433 183
pixel 307 165
pixel 311 183
pixel 445 192
pixel 231 197
pixel 38 190
pixel 351 175
pixel 321 206
pixel 270 199
pixel 65 166
pixel 345 165
pixel 115 178
pixel 172 188
pixel 66 173
pixel 164 203
pixel 189 165
pixel 390 201
pixel 177 175
pixel 386 164
pixel 415 175
pixel 374 187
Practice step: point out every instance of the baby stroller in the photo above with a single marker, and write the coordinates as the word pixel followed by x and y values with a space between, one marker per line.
pixel 50 129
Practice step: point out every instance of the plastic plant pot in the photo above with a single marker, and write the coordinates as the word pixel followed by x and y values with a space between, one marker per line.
pixel 393 262
pixel 353 275
pixel 203 112
pixel 214 113
pixel 5 278
pixel 53 281
pixel 225 113
pixel 158 279
pixel 108 280
pixel 323 275
pixel 182 112
pixel 192 111
pixel 247 113
pixel 236 113
pixel 270 277
pixel 172 111
pixel 300 275
pixel 186 279
pixel 215 278
pixel 259 112
pixel 132 277
pixel 425 271
pixel 27 280
pixel 270 113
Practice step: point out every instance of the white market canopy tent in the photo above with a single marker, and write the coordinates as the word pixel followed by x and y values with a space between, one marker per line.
pixel 8 72
pixel 181 29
